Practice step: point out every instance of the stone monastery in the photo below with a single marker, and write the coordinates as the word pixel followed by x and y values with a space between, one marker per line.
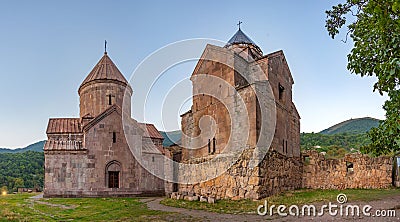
pixel 92 155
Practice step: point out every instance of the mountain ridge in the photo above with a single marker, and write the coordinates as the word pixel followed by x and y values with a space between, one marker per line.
pixel 37 147
pixel 352 126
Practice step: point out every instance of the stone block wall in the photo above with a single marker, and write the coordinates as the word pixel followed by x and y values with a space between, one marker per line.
pixel 276 173
pixel 352 171
pixel 279 173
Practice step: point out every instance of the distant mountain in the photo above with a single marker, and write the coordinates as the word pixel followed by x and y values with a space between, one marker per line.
pixel 352 126
pixel 170 138
pixel 38 147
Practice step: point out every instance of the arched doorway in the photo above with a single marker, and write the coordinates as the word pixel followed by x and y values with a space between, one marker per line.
pixel 113 174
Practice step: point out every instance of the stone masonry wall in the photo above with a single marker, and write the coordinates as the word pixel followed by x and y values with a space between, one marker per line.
pixel 275 174
pixel 279 173
pixel 366 172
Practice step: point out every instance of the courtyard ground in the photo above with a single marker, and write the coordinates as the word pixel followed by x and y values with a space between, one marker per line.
pixel 381 201
pixel 32 207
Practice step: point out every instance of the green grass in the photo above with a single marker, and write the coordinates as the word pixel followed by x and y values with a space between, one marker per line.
pixel 298 197
pixel 19 207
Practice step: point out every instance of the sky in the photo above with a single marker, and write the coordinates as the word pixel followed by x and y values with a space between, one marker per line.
pixel 49 47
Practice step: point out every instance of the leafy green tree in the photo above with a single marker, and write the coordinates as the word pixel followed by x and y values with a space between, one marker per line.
pixel 23 169
pixel 374 28
pixel 18 182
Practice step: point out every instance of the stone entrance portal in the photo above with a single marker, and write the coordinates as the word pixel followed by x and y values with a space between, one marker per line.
pixel 113 174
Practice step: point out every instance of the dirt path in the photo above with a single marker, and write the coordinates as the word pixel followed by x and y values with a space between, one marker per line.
pixel 154 204
pixel 390 203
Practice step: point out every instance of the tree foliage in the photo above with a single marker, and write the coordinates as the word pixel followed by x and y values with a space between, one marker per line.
pixel 335 145
pixel 344 140
pixel 24 169
pixel 374 27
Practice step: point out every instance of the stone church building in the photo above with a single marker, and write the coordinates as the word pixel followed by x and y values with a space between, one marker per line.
pixel 281 168
pixel 89 156
pixel 231 63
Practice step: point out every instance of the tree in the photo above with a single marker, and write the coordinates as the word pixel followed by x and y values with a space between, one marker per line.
pixel 375 31
pixel 18 182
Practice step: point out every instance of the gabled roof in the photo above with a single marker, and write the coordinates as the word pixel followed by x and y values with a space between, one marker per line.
pixel 280 53
pixel 105 69
pixel 64 125
pixel 151 131
pixel 101 116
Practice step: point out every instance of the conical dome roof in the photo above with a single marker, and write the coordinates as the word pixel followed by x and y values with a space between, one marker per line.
pixel 105 69
pixel 240 38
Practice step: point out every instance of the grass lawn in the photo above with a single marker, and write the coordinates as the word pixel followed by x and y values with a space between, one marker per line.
pixel 298 197
pixel 19 207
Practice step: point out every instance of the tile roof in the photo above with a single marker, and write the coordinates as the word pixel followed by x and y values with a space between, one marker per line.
pixel 73 125
pixel 105 69
pixel 152 131
pixel 64 125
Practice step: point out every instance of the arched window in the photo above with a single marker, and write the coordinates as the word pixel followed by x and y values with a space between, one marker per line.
pixel 113 174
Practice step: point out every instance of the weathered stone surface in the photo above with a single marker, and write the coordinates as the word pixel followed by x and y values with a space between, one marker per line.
pixel 211 200
pixel 193 198
pixel 203 199
pixel 173 195
pixel 279 173
pixel 366 172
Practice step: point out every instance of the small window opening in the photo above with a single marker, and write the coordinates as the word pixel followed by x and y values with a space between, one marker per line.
pixel 109 100
pixel 114 137
pixel 349 167
pixel 214 144
pixel 209 146
pixel 281 90
pixel 286 146
pixel 152 158
pixel 283 146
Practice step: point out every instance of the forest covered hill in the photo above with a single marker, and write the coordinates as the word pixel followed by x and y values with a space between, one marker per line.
pixel 352 126
pixel 38 147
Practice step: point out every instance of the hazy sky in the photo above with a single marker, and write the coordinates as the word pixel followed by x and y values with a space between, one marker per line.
pixel 48 48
